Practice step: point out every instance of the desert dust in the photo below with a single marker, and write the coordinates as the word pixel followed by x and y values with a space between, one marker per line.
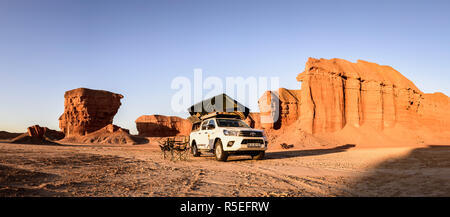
pixel 123 170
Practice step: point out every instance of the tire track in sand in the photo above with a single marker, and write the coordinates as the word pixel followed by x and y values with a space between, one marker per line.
pixel 313 186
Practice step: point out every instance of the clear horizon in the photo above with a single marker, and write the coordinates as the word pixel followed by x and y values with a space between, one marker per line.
pixel 136 48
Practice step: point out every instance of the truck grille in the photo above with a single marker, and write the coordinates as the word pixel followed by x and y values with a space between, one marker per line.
pixel 251 134
pixel 246 141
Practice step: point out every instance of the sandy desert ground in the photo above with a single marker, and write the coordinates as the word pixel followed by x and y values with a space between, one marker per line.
pixel 101 170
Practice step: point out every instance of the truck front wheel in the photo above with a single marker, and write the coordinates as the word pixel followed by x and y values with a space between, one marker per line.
pixel 221 155
pixel 259 156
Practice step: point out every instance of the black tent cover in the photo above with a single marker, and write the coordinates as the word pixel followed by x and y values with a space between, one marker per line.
pixel 219 103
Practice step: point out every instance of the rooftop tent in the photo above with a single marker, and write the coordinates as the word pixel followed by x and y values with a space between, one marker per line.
pixel 219 103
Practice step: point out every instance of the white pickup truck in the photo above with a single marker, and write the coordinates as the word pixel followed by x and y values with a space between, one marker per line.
pixel 227 136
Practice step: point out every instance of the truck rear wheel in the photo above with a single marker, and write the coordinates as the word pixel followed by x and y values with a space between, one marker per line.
pixel 259 156
pixel 195 151
pixel 221 155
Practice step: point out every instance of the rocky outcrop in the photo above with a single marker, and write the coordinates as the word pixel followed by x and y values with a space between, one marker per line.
pixel 39 136
pixel 279 108
pixel 111 128
pixel 36 131
pixel 39 132
pixel 162 126
pixel 86 111
pixel 337 93
pixel 253 120
pixel 110 134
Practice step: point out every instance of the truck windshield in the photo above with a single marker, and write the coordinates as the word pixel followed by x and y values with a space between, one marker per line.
pixel 231 123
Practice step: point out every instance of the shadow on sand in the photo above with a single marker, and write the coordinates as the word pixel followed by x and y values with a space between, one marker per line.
pixel 423 172
pixel 15 182
pixel 28 140
pixel 300 153
pixel 290 154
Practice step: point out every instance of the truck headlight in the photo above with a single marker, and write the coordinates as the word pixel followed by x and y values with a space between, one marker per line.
pixel 230 132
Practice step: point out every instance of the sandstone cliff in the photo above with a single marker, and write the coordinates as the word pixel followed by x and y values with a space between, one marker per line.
pixel 337 94
pixel 279 108
pixel 253 120
pixel 86 111
pixel 162 126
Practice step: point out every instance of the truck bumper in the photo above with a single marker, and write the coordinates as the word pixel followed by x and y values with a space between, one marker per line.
pixel 244 144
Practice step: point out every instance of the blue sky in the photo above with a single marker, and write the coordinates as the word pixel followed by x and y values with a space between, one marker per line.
pixel 137 48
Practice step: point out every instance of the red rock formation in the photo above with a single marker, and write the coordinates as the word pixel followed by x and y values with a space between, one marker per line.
pixel 87 111
pixel 111 128
pixel 36 131
pixel 110 134
pixel 38 135
pixel 279 108
pixel 39 132
pixel 162 126
pixel 337 93
pixel 254 120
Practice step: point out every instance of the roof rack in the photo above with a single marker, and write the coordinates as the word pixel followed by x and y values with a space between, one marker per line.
pixel 223 115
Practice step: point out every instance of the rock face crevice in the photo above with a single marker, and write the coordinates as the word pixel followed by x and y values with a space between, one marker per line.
pixel 253 120
pixel 279 108
pixel 336 93
pixel 86 111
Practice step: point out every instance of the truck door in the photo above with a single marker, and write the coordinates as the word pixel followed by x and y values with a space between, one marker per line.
pixel 211 133
pixel 203 135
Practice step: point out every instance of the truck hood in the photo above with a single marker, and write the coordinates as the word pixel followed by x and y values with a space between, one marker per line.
pixel 241 129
